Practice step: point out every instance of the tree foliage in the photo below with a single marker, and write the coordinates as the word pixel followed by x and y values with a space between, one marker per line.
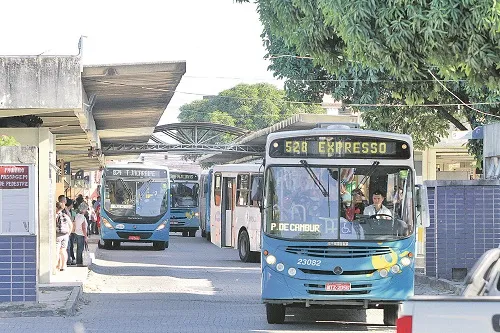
pixel 6 140
pixel 383 53
pixel 248 106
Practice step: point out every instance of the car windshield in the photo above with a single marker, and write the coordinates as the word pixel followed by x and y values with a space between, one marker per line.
pixel 131 198
pixel 184 194
pixel 330 203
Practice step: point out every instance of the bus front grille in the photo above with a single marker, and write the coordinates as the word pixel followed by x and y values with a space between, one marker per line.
pixel 325 272
pixel 125 235
pixel 338 252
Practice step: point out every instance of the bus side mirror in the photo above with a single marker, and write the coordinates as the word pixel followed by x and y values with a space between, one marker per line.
pixel 256 193
pixel 422 206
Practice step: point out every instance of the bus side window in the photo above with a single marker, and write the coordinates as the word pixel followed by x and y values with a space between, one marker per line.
pixel 217 188
pixel 242 190
pixel 256 190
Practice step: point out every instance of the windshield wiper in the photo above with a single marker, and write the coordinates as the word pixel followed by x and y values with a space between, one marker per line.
pixel 314 178
pixel 141 194
pixel 127 189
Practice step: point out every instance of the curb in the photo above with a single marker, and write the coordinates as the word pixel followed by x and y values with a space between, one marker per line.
pixel 72 302
pixel 454 287
pixel 32 309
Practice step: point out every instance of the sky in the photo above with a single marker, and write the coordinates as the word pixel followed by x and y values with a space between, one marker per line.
pixel 218 39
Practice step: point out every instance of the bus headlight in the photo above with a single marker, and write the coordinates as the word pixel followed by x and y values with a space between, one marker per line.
pixel 383 272
pixel 280 267
pixel 197 214
pixel 292 271
pixel 405 261
pixel 107 224
pixel 395 269
pixel 161 226
pixel 270 259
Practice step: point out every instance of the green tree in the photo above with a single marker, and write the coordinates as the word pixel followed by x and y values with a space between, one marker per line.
pixel 249 106
pixel 372 52
pixel 6 140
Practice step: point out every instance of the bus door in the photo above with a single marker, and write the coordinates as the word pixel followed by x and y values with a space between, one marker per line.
pixel 227 208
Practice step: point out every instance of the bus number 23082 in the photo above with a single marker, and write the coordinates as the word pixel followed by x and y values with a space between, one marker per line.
pixel 309 262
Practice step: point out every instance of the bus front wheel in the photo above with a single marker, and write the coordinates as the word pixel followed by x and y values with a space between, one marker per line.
pixel 185 234
pixel 275 313
pixel 244 248
pixel 390 315
pixel 108 244
pixel 192 233
pixel 159 246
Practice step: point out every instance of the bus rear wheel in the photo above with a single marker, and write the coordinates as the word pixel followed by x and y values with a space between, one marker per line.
pixel 275 313
pixel 192 233
pixel 390 315
pixel 185 234
pixel 244 248
pixel 159 246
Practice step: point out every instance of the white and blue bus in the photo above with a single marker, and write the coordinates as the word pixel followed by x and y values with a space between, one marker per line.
pixel 136 205
pixel 185 207
pixel 235 217
pixel 205 195
pixel 323 243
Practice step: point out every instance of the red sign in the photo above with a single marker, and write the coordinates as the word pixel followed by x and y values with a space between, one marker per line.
pixel 14 177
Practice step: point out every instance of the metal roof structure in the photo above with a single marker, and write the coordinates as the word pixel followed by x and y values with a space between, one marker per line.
pixel 301 121
pixel 198 133
pixel 126 102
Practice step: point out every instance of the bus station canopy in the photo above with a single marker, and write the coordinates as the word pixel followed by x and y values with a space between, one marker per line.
pixel 297 122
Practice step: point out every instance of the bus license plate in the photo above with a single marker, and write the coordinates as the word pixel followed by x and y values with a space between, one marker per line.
pixel 134 237
pixel 338 286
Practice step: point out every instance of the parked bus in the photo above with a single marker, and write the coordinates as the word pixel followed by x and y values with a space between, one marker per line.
pixel 185 204
pixel 136 205
pixel 205 195
pixel 323 244
pixel 235 220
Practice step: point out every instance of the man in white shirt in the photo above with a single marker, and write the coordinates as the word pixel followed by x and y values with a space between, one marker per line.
pixel 377 207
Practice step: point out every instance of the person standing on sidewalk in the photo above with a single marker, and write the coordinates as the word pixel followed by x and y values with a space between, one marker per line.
pixel 63 229
pixel 81 232
pixel 71 250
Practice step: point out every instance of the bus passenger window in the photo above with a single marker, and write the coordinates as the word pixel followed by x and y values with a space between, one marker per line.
pixel 242 190
pixel 217 189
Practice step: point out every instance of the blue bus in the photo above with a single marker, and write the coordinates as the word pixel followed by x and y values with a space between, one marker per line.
pixel 324 243
pixel 205 195
pixel 185 209
pixel 136 205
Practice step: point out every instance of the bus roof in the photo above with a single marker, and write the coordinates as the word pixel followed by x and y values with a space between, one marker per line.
pixel 340 131
pixel 248 167
pixel 186 172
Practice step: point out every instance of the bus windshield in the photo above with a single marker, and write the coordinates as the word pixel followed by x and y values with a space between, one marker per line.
pixel 136 198
pixel 184 194
pixel 313 202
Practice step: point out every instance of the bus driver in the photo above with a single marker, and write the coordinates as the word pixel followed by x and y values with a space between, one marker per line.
pixel 378 208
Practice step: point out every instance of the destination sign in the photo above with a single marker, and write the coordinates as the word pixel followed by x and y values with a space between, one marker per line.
pixel 339 147
pixel 183 176
pixel 136 173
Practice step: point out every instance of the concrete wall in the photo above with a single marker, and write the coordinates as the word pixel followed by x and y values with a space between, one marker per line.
pixel 45 141
pixel 465 222
pixel 39 83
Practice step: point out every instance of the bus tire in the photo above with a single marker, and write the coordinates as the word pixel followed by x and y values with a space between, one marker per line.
pixel 116 245
pixel 244 246
pixel 275 313
pixel 159 246
pixel 185 234
pixel 192 233
pixel 203 233
pixel 390 315
pixel 99 244
pixel 108 244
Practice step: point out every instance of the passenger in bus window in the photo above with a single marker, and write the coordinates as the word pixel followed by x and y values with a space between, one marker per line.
pixel 377 208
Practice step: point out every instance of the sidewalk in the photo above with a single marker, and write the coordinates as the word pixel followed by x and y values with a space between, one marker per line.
pixel 59 298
